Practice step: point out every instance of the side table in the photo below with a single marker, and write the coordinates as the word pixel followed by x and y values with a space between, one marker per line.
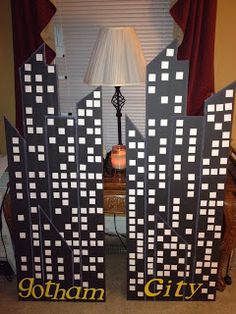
pixel 114 195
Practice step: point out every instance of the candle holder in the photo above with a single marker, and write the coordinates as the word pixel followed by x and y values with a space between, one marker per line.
pixel 118 160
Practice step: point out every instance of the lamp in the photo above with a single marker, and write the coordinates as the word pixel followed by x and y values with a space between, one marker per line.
pixel 117 60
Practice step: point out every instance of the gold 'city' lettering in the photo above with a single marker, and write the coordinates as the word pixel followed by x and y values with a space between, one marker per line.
pixel 176 289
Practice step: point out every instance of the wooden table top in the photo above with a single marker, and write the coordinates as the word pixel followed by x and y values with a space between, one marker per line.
pixel 114 189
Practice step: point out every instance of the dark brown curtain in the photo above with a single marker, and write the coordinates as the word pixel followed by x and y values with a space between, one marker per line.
pixel 29 18
pixel 197 19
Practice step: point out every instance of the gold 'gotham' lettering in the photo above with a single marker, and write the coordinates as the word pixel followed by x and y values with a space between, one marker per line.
pixel 54 291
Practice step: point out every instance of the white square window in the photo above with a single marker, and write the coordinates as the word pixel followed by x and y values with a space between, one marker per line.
pixel 191 158
pixel 97 94
pixel 39 99
pixel 81 112
pixel 179 123
pixel 152 77
pixel 220 186
pixel 39 130
pixel 161 185
pixel 205 186
pixel 177 109
pixel 81 122
pixel 50 121
pixel 18 174
pixel 28 110
pixel 191 177
pixel 164 99
pixel 50 88
pixel 211 118
pixel 228 106
pixel 163 141
pixel 229 93
pixel 179 132
pixel 170 52
pixel 179 75
pixel 131 133
pixel 51 69
pixel 97 103
pixel 162 150
pixel 219 107
pixel 141 155
pixel 89 113
pixel 52 140
pixel 193 132
pixel 39 57
pixel 151 122
pixel 50 110
pixel 177 167
pixel 140 169
pixel 98 141
pixel 164 65
pixel 151 89
pixel 165 76
pixel 227 117
pixel 70 122
pixel 28 67
pixel 28 88
pixel 215 152
pixel 192 149
pixel 27 78
pixel 162 167
pixel 89 103
pixel 178 99
pixel 190 194
pixel 15 140
pixel 38 78
pixel 39 88
pixel 151 132
pixel 61 131
pixel 178 141
pixel 164 122
pixel 177 176
pixel 189 216
pixel 218 126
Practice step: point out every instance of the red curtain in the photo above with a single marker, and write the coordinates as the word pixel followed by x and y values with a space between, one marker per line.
pixel 197 19
pixel 29 18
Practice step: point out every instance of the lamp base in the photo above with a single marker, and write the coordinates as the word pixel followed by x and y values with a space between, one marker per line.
pixel 118 101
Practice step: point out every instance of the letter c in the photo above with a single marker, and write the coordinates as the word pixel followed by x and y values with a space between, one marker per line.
pixel 147 287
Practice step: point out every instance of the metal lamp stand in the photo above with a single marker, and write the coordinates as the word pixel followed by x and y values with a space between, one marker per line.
pixel 118 101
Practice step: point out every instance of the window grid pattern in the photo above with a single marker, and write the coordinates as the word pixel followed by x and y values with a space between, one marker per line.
pixel 218 115
pixel 185 169
pixel 16 150
pixel 135 220
pixel 89 120
pixel 61 133
pixel 57 184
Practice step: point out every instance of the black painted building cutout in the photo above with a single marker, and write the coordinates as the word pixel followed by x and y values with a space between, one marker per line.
pixel 56 185
pixel 175 187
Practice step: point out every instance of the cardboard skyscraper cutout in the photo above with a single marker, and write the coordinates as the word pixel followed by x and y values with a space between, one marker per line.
pixel 175 187
pixel 56 189
pixel 175 190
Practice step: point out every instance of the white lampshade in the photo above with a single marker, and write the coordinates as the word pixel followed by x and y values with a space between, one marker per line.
pixel 117 59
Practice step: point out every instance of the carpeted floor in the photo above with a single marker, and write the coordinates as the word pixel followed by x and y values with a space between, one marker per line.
pixel 116 298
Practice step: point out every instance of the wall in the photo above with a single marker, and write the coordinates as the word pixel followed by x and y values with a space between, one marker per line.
pixel 225 48
pixel 7 92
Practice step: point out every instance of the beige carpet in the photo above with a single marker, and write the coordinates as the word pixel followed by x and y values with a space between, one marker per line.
pixel 116 299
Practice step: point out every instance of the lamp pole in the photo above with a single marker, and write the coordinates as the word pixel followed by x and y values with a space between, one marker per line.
pixel 118 101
